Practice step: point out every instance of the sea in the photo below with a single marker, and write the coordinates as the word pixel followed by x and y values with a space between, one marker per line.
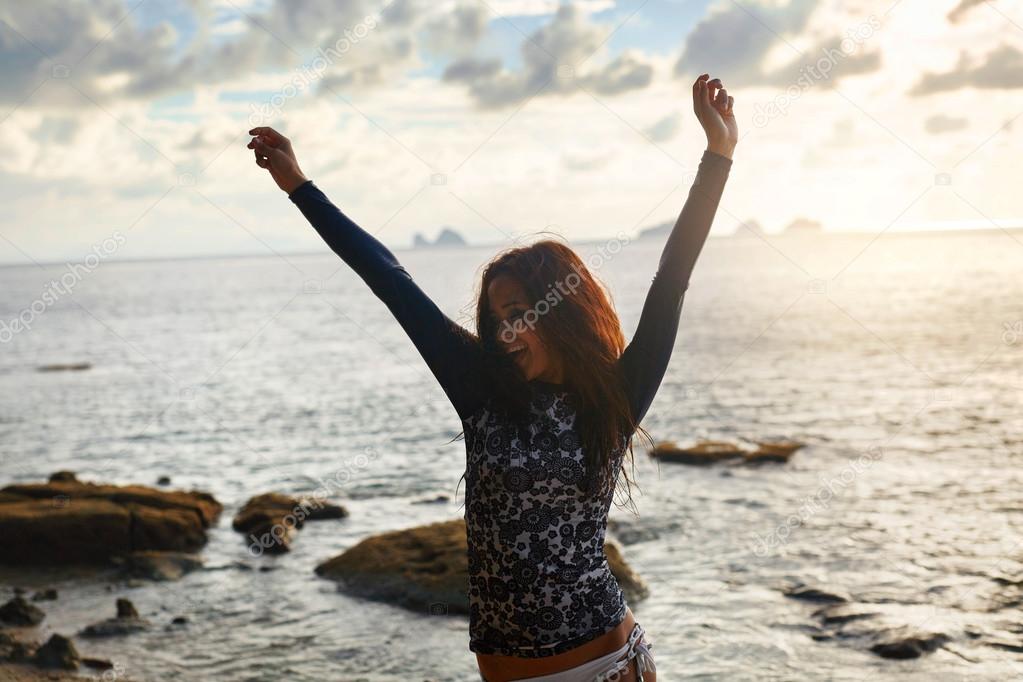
pixel 895 358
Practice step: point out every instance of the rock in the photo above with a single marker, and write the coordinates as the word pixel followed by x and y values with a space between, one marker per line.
pixel 906 642
pixel 270 520
pixel 179 620
pixel 634 587
pixel 125 609
pixel 63 477
pixel 881 628
pixel 806 593
pixel 772 452
pixel 416 568
pixel 97 663
pixel 437 499
pixel 426 568
pixel 702 454
pixel 48 594
pixel 70 521
pixel 631 530
pixel 114 627
pixel 19 612
pixel 160 566
pixel 126 622
pixel 841 614
pixel 14 650
pixel 163 480
pixel 58 652
pixel 65 367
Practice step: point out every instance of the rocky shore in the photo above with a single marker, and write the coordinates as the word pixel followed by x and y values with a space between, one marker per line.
pixel 68 521
pixel 24 658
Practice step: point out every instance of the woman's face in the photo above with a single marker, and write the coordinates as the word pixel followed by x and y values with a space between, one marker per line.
pixel 516 330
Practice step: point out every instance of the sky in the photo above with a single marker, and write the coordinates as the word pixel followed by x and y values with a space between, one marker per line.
pixel 124 122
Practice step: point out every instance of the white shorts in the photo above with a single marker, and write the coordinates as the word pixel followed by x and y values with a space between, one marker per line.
pixel 608 668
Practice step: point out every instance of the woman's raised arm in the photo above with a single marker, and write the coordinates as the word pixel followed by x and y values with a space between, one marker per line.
pixel 451 353
pixel 645 360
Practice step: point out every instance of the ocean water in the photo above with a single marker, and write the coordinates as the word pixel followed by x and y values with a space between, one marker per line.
pixel 897 360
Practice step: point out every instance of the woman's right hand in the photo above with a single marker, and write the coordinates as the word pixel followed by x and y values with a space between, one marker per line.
pixel 713 107
pixel 274 153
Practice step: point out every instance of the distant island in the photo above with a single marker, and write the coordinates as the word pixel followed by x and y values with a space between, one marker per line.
pixel 447 237
pixel 662 230
pixel 748 228
pixel 804 226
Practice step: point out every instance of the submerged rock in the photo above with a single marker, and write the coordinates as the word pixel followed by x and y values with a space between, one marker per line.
pixel 269 520
pixel 66 520
pixel 814 594
pixel 426 568
pixel 879 628
pixel 48 594
pixel 126 622
pixel 65 367
pixel 19 612
pixel 907 642
pixel 702 454
pixel 154 565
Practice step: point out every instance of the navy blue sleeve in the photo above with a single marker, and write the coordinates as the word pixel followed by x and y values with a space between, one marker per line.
pixel 452 353
pixel 645 360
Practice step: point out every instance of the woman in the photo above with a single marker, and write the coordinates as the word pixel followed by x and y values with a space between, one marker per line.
pixel 549 397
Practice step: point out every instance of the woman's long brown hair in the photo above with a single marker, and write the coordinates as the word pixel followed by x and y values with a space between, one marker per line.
pixel 579 325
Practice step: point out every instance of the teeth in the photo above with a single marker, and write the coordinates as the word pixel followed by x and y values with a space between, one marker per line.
pixel 516 348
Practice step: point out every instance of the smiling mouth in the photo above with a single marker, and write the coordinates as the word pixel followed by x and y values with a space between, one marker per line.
pixel 516 351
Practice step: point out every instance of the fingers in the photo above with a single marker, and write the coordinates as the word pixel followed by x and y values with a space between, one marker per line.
pixel 731 100
pixel 261 161
pixel 262 148
pixel 713 88
pixel 703 96
pixel 721 100
pixel 272 136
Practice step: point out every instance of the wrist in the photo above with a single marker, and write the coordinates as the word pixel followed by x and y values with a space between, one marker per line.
pixel 723 148
pixel 294 182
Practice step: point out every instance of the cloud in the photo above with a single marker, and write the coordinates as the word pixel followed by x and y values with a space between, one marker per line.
pixel 554 61
pixel 101 49
pixel 627 72
pixel 962 8
pixel 86 44
pixel 1002 69
pixel 940 123
pixel 740 44
pixel 735 40
pixel 666 128
pixel 456 32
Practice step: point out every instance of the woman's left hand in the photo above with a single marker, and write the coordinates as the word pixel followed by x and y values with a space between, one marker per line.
pixel 274 153
pixel 713 107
